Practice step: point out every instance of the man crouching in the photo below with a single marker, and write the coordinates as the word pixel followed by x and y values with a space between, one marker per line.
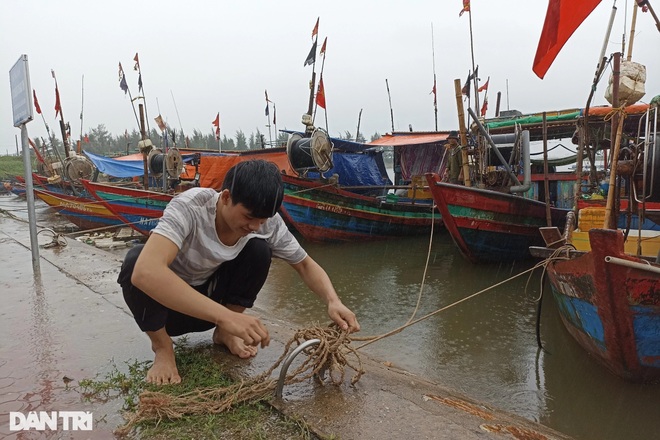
pixel 206 261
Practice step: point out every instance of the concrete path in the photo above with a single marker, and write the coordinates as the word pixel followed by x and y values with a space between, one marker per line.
pixel 71 323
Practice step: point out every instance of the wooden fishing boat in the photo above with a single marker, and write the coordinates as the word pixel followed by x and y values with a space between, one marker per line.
pixel 609 302
pixel 325 213
pixel 608 299
pixel 491 226
pixel 139 209
pixel 355 202
pixel 83 212
pixel 15 188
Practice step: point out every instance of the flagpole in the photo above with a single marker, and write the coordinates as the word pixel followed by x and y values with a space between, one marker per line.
pixel 389 97
pixel 435 91
pixel 312 84
pixel 316 104
pixel 58 104
pixel 122 83
pixel 82 106
pixel 270 134
pixel 275 124
pixel 475 79
pixel 50 135
pixel 141 88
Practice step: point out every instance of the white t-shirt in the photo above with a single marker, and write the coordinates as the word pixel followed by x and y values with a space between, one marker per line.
pixel 189 222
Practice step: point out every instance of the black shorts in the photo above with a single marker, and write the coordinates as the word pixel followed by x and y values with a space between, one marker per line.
pixel 235 282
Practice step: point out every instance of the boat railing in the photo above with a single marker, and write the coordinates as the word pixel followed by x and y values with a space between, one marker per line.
pixel 651 146
pixel 632 264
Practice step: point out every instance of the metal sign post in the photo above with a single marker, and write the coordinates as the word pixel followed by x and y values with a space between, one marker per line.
pixel 21 101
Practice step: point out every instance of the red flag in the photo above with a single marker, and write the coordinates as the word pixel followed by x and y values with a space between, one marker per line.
pixel 484 87
pixel 216 123
pixel 323 46
pixel 87 139
pixel 58 105
pixel 315 31
pixel 484 108
pixel 137 62
pixel 36 103
pixel 320 95
pixel 466 7
pixel 562 18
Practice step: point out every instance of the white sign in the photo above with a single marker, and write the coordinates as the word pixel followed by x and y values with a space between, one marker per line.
pixel 21 92
pixel 51 420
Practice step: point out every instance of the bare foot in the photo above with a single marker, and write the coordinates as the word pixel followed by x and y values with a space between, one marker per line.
pixel 164 370
pixel 234 344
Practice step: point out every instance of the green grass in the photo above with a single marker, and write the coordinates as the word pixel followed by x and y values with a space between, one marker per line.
pixel 198 370
pixel 11 166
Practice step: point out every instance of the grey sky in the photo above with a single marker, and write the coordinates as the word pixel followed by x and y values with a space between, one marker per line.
pixel 220 56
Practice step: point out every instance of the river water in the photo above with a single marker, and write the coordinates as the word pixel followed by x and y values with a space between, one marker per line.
pixel 484 347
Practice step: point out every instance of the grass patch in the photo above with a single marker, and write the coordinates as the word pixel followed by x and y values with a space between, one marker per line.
pixel 198 370
pixel 11 166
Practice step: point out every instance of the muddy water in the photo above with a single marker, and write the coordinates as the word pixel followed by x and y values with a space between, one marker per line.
pixel 484 347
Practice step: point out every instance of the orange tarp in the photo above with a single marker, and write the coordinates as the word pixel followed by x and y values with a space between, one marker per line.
pixel 212 169
pixel 634 109
pixel 400 139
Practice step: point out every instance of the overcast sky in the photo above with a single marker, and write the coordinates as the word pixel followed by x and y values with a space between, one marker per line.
pixel 220 56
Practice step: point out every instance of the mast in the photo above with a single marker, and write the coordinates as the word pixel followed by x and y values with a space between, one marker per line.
pixel 389 97
pixel 435 90
pixel 311 59
pixel 82 104
pixel 475 80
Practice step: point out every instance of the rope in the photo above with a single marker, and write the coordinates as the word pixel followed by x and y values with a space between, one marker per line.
pixel 332 355
pixel 57 240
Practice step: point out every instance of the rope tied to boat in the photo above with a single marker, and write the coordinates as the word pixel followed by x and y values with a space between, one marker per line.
pixel 333 355
pixel 620 111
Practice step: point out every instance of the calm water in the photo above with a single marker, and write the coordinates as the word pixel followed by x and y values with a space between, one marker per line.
pixel 484 347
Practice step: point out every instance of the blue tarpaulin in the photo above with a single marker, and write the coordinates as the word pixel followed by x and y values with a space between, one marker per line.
pixel 121 168
pixel 355 169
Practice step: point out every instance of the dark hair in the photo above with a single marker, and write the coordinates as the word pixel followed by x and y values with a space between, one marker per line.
pixel 257 185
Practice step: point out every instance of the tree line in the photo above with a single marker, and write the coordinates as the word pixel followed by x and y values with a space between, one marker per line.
pixel 100 141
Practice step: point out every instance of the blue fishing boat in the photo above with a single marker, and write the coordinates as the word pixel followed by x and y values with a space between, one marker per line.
pixel 350 198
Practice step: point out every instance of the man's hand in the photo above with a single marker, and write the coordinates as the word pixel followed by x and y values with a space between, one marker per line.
pixel 248 328
pixel 343 317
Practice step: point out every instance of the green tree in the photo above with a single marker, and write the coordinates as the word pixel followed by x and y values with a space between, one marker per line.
pixel 227 144
pixel 241 143
pixel 282 139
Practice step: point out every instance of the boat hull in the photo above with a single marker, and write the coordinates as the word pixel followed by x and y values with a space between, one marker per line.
pixel 489 226
pixel 323 213
pixel 137 208
pixel 83 212
pixel 611 310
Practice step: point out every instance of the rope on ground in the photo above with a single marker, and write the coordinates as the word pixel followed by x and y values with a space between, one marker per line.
pixel 332 355
pixel 57 239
